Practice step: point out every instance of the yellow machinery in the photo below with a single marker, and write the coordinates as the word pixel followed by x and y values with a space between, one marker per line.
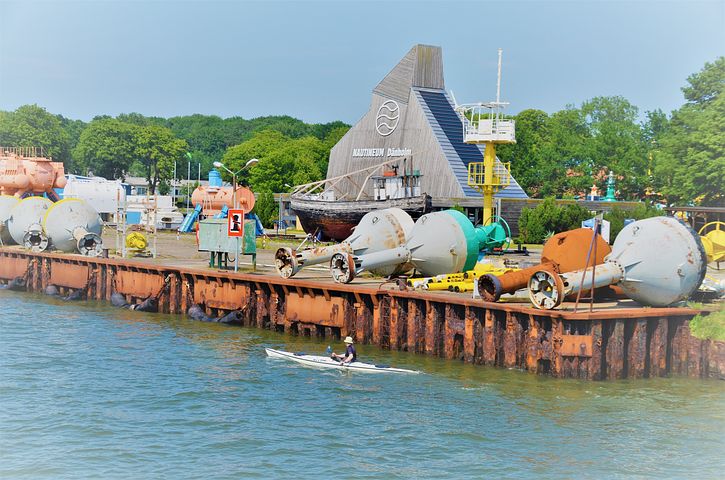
pixel 459 282
pixel 137 242
pixel 712 235
pixel 483 123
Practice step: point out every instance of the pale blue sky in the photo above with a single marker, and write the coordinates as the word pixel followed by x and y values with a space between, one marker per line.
pixel 319 61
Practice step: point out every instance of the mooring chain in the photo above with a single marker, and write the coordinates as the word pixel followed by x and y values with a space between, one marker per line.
pixel 31 265
pixel 46 274
pixel 164 287
pixel 112 274
pixel 189 292
pixel 91 277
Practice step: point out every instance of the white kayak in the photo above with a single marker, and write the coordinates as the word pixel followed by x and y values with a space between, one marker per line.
pixel 326 362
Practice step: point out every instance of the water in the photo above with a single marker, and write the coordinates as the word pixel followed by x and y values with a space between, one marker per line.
pixel 89 391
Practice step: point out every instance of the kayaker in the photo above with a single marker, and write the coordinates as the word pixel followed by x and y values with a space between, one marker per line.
pixel 350 353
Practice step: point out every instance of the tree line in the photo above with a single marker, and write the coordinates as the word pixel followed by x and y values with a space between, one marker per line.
pixel 671 158
pixel 150 147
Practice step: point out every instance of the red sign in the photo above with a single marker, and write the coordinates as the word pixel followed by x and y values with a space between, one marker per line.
pixel 235 227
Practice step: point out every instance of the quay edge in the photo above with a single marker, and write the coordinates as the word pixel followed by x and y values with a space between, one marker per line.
pixel 603 345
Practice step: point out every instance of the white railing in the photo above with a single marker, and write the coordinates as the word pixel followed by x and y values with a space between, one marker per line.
pixel 489 130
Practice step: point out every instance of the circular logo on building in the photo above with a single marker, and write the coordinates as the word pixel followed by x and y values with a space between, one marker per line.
pixel 387 119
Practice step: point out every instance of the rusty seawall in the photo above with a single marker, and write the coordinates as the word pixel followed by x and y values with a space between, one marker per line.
pixel 601 345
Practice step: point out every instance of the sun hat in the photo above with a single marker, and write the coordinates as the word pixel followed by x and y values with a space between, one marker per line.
pixel 348 340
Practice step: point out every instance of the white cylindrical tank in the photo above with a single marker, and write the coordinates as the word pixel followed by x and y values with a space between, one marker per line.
pixel 104 195
pixel 25 223
pixel 7 202
pixel 73 225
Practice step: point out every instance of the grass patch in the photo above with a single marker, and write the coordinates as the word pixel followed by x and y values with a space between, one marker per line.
pixel 710 326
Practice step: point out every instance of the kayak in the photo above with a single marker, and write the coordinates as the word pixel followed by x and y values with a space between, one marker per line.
pixel 326 362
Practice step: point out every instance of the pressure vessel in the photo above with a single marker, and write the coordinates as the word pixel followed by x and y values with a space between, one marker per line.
pixel 213 198
pixel 7 202
pixel 25 223
pixel 21 175
pixel 73 225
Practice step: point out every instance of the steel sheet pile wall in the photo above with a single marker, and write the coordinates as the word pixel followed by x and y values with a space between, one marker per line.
pixel 605 344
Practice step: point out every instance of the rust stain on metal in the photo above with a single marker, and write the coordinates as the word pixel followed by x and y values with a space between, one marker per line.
pixel 12 267
pixel 314 310
pixel 576 345
pixel 137 283
pixel 71 275
pixel 604 344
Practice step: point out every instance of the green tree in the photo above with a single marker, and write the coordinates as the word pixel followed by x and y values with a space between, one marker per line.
pixel 259 147
pixel 282 160
pixel 566 165
pixel 689 163
pixel 526 155
pixel 107 147
pixel 158 149
pixel 707 84
pixel 617 144
pixel 266 208
pixel 33 126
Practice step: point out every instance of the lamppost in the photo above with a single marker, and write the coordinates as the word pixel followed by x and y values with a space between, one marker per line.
pixel 234 197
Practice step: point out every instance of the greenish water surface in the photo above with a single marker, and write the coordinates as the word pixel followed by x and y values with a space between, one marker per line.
pixel 89 391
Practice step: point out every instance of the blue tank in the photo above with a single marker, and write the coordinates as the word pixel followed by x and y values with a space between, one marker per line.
pixel 215 178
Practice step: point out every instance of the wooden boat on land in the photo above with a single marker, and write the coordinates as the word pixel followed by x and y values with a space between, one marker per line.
pixel 325 208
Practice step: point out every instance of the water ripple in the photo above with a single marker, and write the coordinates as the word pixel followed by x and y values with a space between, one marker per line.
pixel 91 391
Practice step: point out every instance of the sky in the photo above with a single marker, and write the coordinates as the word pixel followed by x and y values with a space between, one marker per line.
pixel 319 60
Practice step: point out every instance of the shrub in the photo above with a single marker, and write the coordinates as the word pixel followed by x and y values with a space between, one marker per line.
pixel 710 326
pixel 536 223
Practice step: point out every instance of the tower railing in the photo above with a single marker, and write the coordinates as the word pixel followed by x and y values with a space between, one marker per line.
pixel 496 130
pixel 501 176
pixel 26 152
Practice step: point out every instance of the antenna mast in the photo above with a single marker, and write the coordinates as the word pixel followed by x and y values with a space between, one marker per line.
pixel 483 123
pixel 498 85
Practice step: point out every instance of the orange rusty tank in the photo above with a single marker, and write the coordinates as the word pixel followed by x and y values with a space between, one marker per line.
pixel 213 199
pixel 563 252
pixel 29 174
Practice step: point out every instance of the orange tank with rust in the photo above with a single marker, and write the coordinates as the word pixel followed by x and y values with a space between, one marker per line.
pixel 213 199
pixel 29 174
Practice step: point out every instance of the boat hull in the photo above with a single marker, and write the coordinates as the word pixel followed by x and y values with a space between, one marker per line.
pixel 336 219
pixel 316 361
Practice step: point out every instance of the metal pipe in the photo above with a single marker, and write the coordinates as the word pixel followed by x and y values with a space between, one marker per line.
pixel 548 289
